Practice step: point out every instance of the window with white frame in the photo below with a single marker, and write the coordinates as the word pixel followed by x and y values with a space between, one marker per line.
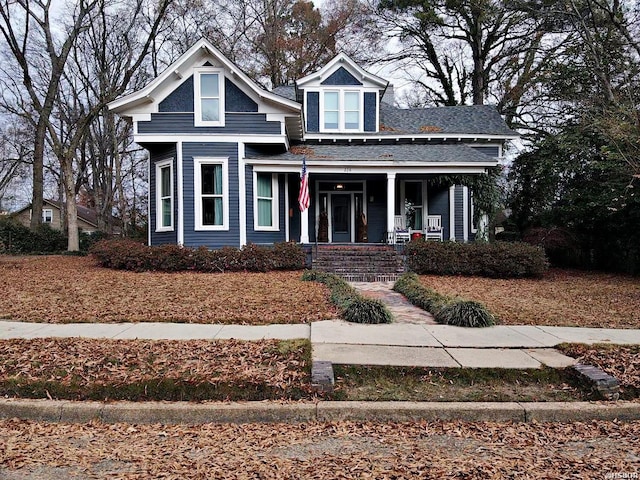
pixel 266 201
pixel 413 204
pixel 209 97
pixel 164 196
pixel 211 193
pixel 47 215
pixel 341 110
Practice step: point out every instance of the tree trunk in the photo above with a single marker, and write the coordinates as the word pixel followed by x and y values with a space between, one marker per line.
pixel 72 210
pixel 38 174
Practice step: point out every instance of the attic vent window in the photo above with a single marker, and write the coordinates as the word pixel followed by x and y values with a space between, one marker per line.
pixel 209 97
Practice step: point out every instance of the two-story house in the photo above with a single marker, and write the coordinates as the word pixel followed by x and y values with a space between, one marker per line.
pixel 226 156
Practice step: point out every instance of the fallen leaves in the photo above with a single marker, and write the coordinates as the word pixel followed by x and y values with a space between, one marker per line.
pixel 343 450
pixel 82 369
pixel 620 361
pixel 59 289
pixel 561 298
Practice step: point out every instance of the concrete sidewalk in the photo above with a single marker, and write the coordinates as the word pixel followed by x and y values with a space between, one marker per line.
pixel 398 344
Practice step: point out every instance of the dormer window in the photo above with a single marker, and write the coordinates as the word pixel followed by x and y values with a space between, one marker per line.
pixel 209 97
pixel 342 110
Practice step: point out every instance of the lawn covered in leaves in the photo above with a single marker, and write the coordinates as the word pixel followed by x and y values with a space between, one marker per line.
pixel 61 289
pixel 620 361
pixel 88 369
pixel 344 450
pixel 562 298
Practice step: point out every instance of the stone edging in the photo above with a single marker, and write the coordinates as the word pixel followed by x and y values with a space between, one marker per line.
pixel 322 411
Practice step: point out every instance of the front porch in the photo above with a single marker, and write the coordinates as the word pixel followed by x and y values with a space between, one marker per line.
pixel 386 208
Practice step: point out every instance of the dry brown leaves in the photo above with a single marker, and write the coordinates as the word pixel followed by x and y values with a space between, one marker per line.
pixel 320 451
pixel 562 298
pixel 89 362
pixel 61 289
pixel 620 361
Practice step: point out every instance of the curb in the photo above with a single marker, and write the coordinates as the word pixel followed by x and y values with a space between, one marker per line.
pixel 323 411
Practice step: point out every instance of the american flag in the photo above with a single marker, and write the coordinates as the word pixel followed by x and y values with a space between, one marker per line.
pixel 303 196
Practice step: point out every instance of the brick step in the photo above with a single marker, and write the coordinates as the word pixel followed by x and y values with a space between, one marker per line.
pixel 359 263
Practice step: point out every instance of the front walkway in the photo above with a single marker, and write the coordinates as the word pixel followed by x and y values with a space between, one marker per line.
pixel 402 309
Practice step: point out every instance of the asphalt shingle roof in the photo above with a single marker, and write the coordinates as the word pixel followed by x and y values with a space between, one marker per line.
pixel 395 153
pixel 466 119
pixel 286 91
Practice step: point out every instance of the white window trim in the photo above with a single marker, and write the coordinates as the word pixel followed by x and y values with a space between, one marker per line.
pixel 44 215
pixel 197 195
pixel 197 107
pixel 341 110
pixel 159 167
pixel 274 204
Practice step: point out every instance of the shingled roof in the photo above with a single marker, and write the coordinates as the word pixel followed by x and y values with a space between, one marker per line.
pixel 465 119
pixel 394 153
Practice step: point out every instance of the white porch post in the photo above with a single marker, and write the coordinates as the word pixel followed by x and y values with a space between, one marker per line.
pixel 304 226
pixel 391 201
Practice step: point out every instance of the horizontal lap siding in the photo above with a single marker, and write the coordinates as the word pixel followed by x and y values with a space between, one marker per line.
pixel 160 153
pixel 438 204
pixel 235 123
pixel 254 236
pixel 211 239
pixel 377 211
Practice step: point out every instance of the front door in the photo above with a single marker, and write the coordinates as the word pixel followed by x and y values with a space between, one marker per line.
pixel 341 217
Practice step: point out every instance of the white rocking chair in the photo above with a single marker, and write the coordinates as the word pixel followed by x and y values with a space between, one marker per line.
pixel 433 230
pixel 400 231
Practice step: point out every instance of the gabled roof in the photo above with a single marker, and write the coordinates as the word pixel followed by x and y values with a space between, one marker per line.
pixel 181 66
pixel 463 120
pixel 343 60
pixel 85 214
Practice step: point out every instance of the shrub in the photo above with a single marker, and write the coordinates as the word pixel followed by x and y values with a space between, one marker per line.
pixel 353 306
pixel 464 313
pixel 446 310
pixel 495 260
pixel 18 239
pixel 127 254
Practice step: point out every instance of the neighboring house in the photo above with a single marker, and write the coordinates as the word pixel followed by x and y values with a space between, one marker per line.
pixel 51 215
pixel 226 156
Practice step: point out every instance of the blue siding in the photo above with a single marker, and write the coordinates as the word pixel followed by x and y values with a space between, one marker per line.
pixel 459 214
pixel 264 237
pixel 438 204
pixel 377 211
pixel 370 111
pixel 248 123
pixel 294 222
pixel 211 239
pixel 182 99
pixel 160 153
pixel 341 77
pixel 313 111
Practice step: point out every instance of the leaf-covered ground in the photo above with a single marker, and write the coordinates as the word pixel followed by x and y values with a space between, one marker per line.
pixel 81 369
pixel 61 289
pixel 620 361
pixel 418 450
pixel 561 298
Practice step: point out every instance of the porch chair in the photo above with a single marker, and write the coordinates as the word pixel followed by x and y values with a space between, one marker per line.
pixel 434 228
pixel 400 230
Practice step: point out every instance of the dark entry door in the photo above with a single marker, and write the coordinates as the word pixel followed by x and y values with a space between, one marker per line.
pixel 340 218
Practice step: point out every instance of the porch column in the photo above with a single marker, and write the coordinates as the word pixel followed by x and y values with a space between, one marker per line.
pixel 391 202
pixel 304 226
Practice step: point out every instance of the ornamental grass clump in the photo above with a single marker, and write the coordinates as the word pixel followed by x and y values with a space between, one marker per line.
pixel 446 310
pixel 465 313
pixel 353 306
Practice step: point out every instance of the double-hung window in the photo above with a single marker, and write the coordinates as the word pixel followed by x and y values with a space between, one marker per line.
pixel 266 201
pixel 211 184
pixel 47 215
pixel 164 196
pixel 342 110
pixel 209 97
